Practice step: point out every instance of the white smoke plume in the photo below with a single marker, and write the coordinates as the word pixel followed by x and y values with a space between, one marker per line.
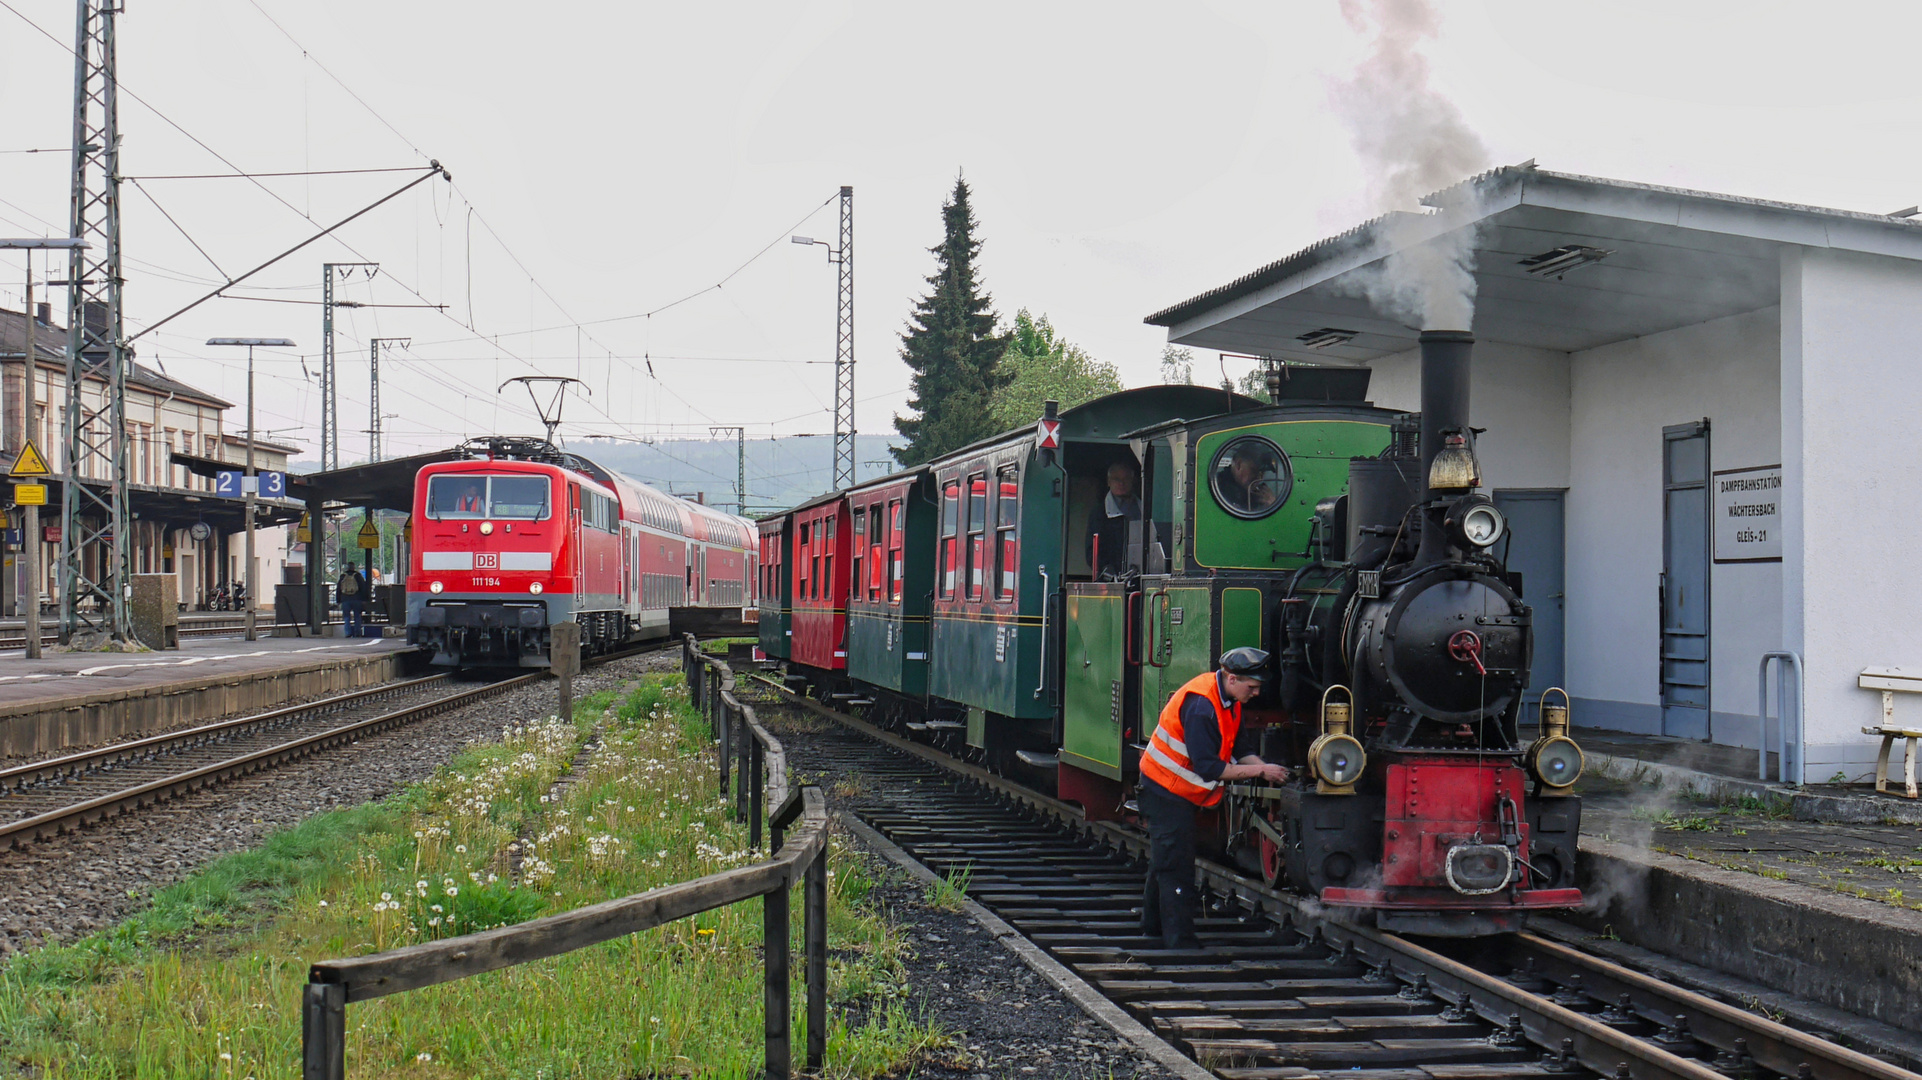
pixel 1412 141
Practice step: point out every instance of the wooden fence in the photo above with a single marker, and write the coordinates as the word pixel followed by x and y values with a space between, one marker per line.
pixel 797 857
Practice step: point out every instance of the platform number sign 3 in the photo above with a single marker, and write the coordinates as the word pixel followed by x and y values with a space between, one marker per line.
pixel 233 484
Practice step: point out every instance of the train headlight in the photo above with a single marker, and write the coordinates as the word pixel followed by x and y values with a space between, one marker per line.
pixel 1478 869
pixel 487 528
pixel 535 588
pixel 1483 526
pixel 1556 761
pixel 435 587
pixel 1337 761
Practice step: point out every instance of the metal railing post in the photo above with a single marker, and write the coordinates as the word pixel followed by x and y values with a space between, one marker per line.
pixel 741 769
pixel 323 1032
pixel 1790 767
pixel 814 934
pixel 774 947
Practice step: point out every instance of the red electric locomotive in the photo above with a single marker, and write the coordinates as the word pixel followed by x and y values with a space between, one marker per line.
pixel 522 535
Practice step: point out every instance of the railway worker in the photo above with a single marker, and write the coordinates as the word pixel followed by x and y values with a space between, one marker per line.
pixel 1107 539
pixel 1197 745
pixel 469 501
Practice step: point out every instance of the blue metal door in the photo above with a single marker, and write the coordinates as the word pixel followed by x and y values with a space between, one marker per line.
pixel 1535 550
pixel 1683 594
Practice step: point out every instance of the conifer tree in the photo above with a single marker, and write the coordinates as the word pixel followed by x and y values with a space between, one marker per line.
pixel 951 346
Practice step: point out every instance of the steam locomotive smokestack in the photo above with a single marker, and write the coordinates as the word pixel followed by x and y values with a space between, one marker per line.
pixel 1444 392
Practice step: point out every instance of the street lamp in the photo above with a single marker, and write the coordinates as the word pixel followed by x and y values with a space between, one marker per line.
pixel 250 487
pixel 30 525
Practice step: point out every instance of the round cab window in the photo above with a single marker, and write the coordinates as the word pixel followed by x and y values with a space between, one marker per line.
pixel 1251 478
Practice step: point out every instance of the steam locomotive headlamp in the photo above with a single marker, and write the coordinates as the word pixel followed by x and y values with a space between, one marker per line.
pixel 435 587
pixel 1554 759
pixel 1473 522
pixel 487 528
pixel 1336 757
pixel 534 588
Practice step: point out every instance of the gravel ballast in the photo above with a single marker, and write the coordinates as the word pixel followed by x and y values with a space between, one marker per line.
pixel 67 887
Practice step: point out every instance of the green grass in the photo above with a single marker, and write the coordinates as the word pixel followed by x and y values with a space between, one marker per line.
pixel 951 892
pixel 205 980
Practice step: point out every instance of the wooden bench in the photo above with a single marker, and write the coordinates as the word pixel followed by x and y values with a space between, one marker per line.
pixel 1892 681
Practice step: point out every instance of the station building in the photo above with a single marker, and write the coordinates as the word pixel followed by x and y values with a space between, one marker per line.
pixel 166 420
pixel 1701 414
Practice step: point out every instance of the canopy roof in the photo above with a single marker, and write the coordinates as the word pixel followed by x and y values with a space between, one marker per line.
pixel 1673 258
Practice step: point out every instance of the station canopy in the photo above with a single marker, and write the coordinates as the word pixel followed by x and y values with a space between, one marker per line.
pixel 379 485
pixel 1560 261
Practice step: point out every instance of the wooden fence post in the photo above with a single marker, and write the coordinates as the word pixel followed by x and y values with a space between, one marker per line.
pixel 564 660
pixel 814 936
pixel 775 958
pixel 323 1032
pixel 755 792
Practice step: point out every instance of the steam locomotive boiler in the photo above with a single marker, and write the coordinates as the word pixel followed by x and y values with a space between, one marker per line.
pixel 1409 646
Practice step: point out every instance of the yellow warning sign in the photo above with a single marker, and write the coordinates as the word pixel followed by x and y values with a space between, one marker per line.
pixel 407 530
pixel 29 494
pixel 29 463
pixel 369 536
pixel 304 534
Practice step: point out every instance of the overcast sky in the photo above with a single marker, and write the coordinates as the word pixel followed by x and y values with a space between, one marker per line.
pixel 609 159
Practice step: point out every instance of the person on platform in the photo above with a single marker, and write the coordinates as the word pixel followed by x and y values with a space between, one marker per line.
pixel 352 590
pixel 1191 754
pixel 1107 538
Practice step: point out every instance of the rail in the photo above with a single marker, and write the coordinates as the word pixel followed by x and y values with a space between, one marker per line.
pixel 797 858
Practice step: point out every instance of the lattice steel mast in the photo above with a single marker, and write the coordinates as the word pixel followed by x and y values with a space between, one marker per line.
pixel 844 348
pixel 329 369
pixel 373 391
pixel 94 512
pixel 740 463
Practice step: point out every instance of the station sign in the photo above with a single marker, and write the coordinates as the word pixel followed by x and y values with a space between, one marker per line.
pixel 50 534
pixel 29 494
pixel 236 484
pixel 1746 507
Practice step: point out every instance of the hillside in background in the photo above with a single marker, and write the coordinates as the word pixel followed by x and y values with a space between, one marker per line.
pixel 781 472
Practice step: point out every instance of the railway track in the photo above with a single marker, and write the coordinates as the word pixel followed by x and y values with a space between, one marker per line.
pixel 57 795
pixel 1279 990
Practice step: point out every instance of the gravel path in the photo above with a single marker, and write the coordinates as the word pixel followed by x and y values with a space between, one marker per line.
pixel 85 881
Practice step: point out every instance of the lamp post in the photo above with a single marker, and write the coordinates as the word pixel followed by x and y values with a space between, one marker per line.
pixel 30 523
pixel 250 487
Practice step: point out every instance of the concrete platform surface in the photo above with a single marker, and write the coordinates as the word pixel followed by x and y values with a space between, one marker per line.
pixel 66 701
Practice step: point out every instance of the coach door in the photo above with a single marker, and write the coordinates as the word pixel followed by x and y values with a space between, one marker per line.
pixel 574 541
pixel 1684 584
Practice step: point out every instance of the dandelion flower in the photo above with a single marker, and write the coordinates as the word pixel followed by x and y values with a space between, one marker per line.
pixel 423 1056
pixel 323 903
pixel 461 848
pixel 225 1056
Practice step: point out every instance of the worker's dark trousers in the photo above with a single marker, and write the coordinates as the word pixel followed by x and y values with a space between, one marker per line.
pixel 1168 902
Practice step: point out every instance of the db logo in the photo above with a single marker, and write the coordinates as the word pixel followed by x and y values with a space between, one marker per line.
pixel 487 560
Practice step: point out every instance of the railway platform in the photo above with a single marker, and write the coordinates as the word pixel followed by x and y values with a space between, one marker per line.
pixel 1818 889
pixel 68 701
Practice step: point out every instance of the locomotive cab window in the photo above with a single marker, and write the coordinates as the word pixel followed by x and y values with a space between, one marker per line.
pixel 1251 477
pixel 465 495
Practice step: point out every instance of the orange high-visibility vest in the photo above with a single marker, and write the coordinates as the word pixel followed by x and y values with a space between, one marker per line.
pixel 1167 762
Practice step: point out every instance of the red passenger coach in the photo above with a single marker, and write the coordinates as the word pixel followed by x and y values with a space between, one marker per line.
pixel 819 618
pixel 522 535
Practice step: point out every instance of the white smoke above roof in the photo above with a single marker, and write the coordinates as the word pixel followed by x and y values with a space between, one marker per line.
pixel 1412 140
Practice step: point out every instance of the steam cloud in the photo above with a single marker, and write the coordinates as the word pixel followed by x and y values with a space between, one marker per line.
pixel 1412 140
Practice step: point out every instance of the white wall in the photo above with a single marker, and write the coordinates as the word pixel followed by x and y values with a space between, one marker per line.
pixel 1520 394
pixel 1622 396
pixel 1851 392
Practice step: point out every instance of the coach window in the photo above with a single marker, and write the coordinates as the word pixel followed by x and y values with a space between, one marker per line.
pixel 859 553
pixel 894 551
pixel 1007 517
pixel 977 532
pixel 877 552
pixel 950 523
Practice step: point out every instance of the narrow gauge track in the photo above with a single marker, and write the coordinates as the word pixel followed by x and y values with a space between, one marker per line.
pixel 57 795
pixel 1279 990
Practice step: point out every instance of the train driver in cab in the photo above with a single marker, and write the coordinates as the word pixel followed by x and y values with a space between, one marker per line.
pixel 1107 540
pixel 1198 745
pixel 1244 482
